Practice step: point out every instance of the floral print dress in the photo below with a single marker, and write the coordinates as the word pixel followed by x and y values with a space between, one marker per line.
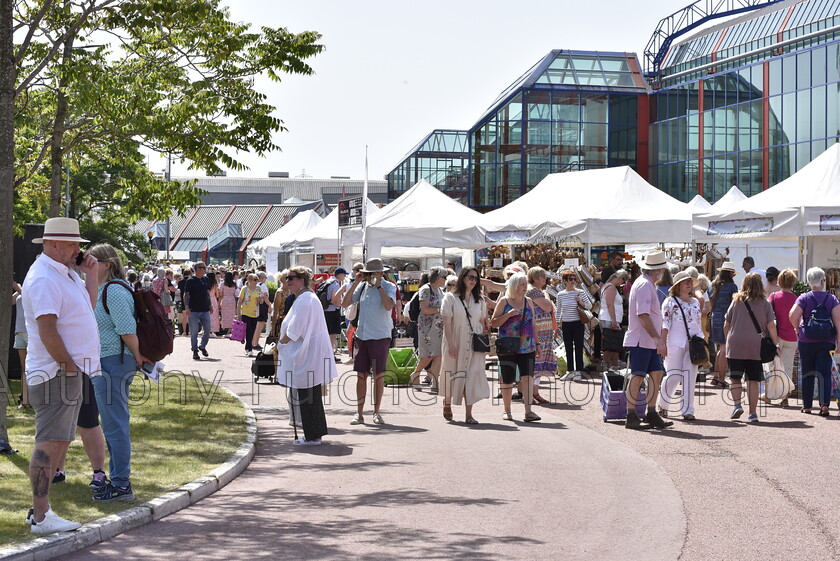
pixel 430 326
pixel 546 361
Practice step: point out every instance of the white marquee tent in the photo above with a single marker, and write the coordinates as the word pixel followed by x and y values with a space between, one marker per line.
pixel 599 206
pixel 699 204
pixel 268 248
pixel 733 196
pixel 422 222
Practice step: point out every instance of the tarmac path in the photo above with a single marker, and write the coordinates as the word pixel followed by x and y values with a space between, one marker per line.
pixel 568 487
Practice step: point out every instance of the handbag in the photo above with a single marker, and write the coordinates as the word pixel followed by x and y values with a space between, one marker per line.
pixel 237 332
pixel 355 321
pixel 509 345
pixel 777 384
pixel 480 342
pixel 768 348
pixel 698 349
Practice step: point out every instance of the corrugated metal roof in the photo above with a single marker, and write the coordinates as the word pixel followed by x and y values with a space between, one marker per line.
pixel 206 221
pixel 248 216
pixel 190 244
pixel 278 216
pixel 143 226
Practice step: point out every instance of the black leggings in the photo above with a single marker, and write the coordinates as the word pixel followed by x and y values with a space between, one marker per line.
pixel 573 332
pixel 509 363
pixel 250 329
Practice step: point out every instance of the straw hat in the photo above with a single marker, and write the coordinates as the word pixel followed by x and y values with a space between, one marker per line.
pixel 62 230
pixel 682 275
pixel 655 260
pixel 375 266
pixel 729 266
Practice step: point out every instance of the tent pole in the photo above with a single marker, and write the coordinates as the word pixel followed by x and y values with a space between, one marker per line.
pixel 588 257
pixel 510 253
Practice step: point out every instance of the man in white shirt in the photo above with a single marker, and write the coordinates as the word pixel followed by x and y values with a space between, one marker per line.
pixel 63 344
pixel 749 266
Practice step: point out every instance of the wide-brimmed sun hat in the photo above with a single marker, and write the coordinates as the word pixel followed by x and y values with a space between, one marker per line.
pixel 682 275
pixel 62 230
pixel 655 260
pixel 729 266
pixel 374 266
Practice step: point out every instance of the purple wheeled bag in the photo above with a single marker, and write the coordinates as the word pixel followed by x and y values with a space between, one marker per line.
pixel 613 399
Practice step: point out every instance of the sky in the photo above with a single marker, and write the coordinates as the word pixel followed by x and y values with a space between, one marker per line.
pixel 393 71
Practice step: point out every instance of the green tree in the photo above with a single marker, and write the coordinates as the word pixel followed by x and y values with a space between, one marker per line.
pixel 91 80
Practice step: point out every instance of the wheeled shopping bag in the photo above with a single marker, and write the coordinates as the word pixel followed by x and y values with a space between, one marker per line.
pixel 400 365
pixel 613 399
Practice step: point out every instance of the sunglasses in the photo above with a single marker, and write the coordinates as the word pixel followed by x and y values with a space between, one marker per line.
pixel 472 277
pixel 293 277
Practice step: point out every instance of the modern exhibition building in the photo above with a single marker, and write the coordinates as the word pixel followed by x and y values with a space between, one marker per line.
pixel 733 92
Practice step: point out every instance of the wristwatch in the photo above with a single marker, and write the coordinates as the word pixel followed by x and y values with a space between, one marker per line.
pixel 379 287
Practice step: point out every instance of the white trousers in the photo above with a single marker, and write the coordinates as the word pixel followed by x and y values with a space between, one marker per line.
pixel 679 371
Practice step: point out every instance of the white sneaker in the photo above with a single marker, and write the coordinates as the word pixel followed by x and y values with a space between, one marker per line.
pixel 377 419
pixel 569 376
pixel 303 442
pixel 357 420
pixel 52 523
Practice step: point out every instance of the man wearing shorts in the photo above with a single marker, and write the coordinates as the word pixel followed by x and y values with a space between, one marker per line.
pixel 63 344
pixel 333 312
pixel 375 300
pixel 643 342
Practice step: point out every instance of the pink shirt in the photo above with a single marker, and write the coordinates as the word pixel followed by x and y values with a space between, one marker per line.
pixel 782 302
pixel 643 300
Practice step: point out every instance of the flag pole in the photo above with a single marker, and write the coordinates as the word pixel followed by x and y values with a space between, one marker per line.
pixel 364 209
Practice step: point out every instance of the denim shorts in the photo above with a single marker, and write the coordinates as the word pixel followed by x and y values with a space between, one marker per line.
pixel 644 361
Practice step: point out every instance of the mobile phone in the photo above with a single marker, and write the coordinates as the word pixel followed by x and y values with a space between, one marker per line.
pixel 80 258
pixel 148 368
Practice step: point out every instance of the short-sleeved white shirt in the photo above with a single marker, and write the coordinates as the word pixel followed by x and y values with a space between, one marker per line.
pixel 52 288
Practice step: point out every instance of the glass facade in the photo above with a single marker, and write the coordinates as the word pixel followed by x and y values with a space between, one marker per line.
pixel 572 111
pixel 441 159
pixel 752 125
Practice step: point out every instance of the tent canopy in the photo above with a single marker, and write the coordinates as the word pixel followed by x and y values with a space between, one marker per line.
pixel 423 216
pixel 805 204
pixel 734 195
pixel 699 204
pixel 604 206
pixel 323 238
pixel 302 222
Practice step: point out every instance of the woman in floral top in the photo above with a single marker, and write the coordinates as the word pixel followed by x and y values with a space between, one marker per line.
pixel 678 368
pixel 514 316
pixel 545 363
pixel 430 326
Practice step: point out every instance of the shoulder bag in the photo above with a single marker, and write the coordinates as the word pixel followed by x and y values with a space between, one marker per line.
pixel 768 347
pixel 480 341
pixel 698 348
pixel 355 321
pixel 509 345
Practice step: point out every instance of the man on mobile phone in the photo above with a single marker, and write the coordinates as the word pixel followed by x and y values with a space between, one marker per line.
pixel 58 309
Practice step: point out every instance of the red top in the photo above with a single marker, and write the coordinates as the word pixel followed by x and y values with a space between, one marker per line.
pixel 782 302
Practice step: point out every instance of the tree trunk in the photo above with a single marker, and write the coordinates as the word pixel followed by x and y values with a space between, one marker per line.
pixel 57 139
pixel 7 178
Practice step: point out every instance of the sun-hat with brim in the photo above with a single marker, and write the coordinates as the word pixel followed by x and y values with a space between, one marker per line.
pixel 682 275
pixel 655 260
pixel 374 266
pixel 61 230
pixel 729 266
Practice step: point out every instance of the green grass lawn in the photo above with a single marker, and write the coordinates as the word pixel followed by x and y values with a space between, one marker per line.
pixel 176 438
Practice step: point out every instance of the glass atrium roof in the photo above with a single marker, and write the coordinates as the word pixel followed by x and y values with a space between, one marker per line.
pixel 762 28
pixel 579 70
pixel 442 141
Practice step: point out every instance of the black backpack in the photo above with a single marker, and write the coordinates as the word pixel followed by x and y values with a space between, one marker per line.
pixel 321 292
pixel 414 307
pixel 154 330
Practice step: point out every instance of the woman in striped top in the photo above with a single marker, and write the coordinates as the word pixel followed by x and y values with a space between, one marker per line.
pixel 568 301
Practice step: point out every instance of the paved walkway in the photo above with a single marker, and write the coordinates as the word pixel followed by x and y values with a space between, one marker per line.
pixel 570 487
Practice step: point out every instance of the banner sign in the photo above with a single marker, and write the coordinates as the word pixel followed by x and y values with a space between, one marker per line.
pixel 507 236
pixel 350 212
pixel 741 226
pixel 829 222
pixel 328 259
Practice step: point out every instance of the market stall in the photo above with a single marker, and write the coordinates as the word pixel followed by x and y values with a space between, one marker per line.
pixel 268 249
pixel 804 209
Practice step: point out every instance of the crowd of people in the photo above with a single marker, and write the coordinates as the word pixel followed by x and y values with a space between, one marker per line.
pixel 650 316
